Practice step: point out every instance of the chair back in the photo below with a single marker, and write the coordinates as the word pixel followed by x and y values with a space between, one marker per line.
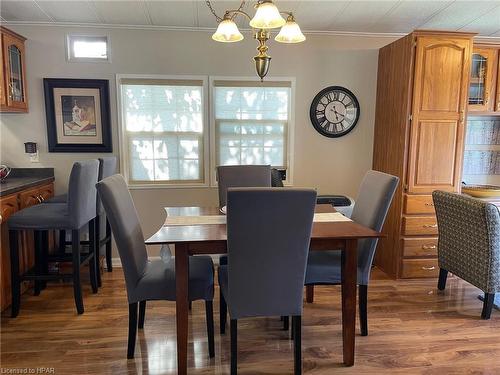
pixel 107 167
pixel 82 194
pixel 372 204
pixel 469 239
pixel 268 235
pixel 276 180
pixel 125 226
pixel 229 176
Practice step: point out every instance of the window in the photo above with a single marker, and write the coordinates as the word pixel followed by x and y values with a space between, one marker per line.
pixel 163 130
pixel 251 122
pixel 87 48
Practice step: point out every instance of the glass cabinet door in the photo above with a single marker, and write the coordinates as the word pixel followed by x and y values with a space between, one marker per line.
pixel 481 79
pixel 14 78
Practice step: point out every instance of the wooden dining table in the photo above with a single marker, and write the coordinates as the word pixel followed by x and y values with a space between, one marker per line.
pixel 212 239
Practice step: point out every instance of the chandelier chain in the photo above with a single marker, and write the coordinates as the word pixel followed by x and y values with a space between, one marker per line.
pixel 242 5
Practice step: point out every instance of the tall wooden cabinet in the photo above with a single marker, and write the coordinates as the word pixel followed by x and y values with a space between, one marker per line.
pixel 422 97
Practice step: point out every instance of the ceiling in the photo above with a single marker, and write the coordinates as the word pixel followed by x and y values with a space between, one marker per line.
pixel 366 17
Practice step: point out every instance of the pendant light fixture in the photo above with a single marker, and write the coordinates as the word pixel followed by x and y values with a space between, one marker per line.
pixel 267 17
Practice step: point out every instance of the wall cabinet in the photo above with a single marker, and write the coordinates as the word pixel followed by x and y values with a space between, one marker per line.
pixel 422 92
pixel 484 86
pixel 13 90
pixel 10 204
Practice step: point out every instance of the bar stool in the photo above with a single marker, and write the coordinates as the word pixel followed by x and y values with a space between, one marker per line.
pixel 107 167
pixel 73 215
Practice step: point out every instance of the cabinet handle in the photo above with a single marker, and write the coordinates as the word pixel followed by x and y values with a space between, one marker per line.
pixel 462 116
pixel 428 247
pixel 42 198
pixel 38 199
pixel 430 225
pixel 429 204
pixel 486 97
pixel 1 219
pixel 429 268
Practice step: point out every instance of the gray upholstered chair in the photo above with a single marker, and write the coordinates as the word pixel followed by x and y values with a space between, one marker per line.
pixel 229 176
pixel 323 267
pixel 469 243
pixel 78 211
pixel 276 180
pixel 150 279
pixel 267 256
pixel 107 167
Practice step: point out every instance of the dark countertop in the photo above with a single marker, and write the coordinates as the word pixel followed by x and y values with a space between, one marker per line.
pixel 22 178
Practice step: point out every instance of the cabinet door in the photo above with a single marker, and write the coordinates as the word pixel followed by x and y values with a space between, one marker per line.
pixel 497 105
pixel 15 77
pixel 8 205
pixel 481 86
pixel 3 95
pixel 440 86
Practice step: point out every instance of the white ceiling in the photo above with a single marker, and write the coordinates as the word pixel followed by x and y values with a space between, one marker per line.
pixel 387 16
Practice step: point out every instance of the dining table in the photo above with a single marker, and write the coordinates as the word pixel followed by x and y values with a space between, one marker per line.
pixel 202 230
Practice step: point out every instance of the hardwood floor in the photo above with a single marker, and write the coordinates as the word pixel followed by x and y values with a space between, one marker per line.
pixel 412 330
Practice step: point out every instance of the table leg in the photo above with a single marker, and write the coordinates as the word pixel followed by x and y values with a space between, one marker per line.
pixel 349 281
pixel 181 304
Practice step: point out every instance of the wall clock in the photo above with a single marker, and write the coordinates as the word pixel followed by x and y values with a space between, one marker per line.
pixel 334 111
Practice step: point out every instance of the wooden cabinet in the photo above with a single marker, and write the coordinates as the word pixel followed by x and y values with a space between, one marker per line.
pixel 422 92
pixel 484 86
pixel 10 204
pixel 13 89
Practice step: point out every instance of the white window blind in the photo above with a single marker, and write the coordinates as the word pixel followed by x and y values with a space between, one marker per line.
pixel 251 122
pixel 163 127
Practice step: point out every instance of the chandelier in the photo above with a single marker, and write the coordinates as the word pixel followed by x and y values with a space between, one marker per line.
pixel 267 17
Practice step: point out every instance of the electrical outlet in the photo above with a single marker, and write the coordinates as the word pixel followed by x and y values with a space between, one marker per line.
pixel 34 158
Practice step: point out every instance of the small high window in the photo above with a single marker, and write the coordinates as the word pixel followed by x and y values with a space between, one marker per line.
pixel 87 48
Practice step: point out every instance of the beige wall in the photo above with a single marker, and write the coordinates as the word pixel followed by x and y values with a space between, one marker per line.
pixel 330 165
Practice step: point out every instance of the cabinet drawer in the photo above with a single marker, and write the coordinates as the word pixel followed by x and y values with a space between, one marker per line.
pixel 420 268
pixel 420 247
pixel 419 225
pixel 8 205
pixel 418 204
pixel 35 195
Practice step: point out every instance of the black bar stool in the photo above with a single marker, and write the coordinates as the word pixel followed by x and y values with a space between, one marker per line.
pixel 73 215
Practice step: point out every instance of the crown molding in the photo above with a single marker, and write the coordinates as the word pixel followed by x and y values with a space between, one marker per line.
pixel 212 29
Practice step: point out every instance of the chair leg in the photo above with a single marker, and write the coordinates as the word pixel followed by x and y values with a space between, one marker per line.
pixel 222 313
pixel 45 255
pixel 93 259
pixel 14 273
pixel 442 278
pixel 77 287
pixel 62 241
pixel 363 309
pixel 142 314
pixel 109 263
pixel 309 293
pixel 38 261
pixel 234 346
pixel 209 313
pixel 297 344
pixel 286 323
pixel 132 329
pixel 489 298
pixel 97 239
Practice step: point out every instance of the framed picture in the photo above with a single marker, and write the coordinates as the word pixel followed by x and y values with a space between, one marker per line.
pixel 78 115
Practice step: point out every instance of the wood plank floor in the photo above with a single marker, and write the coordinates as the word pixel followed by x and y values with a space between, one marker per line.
pixel 413 330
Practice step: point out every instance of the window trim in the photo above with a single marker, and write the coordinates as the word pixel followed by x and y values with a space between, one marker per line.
pixel 290 128
pixel 122 139
pixel 69 52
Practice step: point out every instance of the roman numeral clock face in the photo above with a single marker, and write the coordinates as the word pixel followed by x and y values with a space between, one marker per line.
pixel 334 111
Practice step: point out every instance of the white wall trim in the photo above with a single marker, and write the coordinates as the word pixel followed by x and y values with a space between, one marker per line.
pixel 212 29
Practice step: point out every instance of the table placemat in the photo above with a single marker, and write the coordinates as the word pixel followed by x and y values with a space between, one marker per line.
pixel 323 217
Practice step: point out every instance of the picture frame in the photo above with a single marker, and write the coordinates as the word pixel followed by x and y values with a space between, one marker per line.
pixel 78 115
